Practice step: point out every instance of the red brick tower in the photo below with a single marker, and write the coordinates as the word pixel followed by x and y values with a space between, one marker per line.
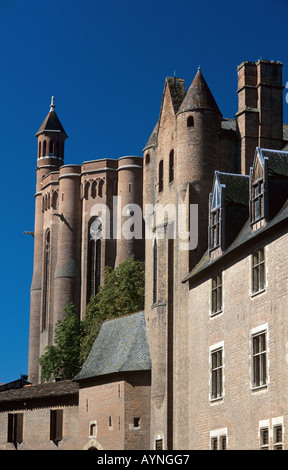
pixel 260 108
pixel 179 163
pixel 51 138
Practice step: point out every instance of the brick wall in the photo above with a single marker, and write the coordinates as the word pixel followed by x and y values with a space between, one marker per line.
pixel 36 424
pixel 112 406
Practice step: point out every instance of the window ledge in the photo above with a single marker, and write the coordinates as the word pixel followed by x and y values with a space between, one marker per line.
pixel 215 314
pixel 158 304
pixel 216 400
pixel 259 388
pixel 254 294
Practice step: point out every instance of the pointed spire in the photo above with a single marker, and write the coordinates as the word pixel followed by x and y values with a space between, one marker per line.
pixel 51 123
pixel 198 96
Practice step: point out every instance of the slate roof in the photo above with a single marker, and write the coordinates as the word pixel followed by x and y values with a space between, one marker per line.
pixel 46 390
pixel 278 161
pixel 198 96
pixel 51 124
pixel 121 346
pixel 236 187
pixel 277 165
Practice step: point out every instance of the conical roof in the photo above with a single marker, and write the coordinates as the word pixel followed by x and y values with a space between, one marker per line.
pixel 198 96
pixel 51 123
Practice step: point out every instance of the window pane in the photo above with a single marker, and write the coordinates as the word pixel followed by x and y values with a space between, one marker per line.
pixel 223 443
pixel 214 443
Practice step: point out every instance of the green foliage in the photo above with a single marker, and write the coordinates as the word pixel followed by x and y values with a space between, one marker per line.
pixel 62 360
pixel 121 294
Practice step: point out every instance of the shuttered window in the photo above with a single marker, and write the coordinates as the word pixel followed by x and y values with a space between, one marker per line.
pixel 15 428
pixel 56 425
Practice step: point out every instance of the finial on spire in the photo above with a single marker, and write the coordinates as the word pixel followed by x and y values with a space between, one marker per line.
pixel 52 105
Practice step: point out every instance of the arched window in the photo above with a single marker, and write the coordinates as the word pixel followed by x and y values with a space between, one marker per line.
pixel 171 166
pixel 190 121
pixel 51 147
pixel 93 189
pixel 155 271
pixel 94 257
pixel 86 190
pixel 160 176
pixel 147 159
pixel 55 200
pixel 44 148
pixel 46 280
pixel 57 150
pixel 100 188
pixel 39 150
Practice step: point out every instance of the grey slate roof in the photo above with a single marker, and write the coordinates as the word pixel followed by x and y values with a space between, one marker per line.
pixel 51 124
pixel 236 187
pixel 278 161
pixel 121 346
pixel 198 96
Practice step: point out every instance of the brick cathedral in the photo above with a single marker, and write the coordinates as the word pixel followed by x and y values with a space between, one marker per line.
pixel 205 365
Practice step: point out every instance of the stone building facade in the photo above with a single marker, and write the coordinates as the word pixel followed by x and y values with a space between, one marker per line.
pixel 189 143
pixel 238 315
pixel 214 196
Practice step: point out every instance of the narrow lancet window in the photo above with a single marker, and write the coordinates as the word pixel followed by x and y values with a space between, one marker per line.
pixel 46 281
pixel 155 272
pixel 171 166
pixel 94 258
pixel 160 176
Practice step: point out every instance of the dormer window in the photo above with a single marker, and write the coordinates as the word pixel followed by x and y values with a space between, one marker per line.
pixel 257 201
pixel 257 190
pixel 215 211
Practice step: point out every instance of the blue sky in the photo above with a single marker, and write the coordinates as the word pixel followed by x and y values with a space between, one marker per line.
pixel 105 63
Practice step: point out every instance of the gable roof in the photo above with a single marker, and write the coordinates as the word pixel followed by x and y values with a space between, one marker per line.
pixel 121 346
pixel 236 187
pixel 177 90
pixel 277 161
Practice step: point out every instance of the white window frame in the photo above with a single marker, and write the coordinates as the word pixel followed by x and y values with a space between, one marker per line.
pixel 218 434
pixel 257 331
pixel 214 348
